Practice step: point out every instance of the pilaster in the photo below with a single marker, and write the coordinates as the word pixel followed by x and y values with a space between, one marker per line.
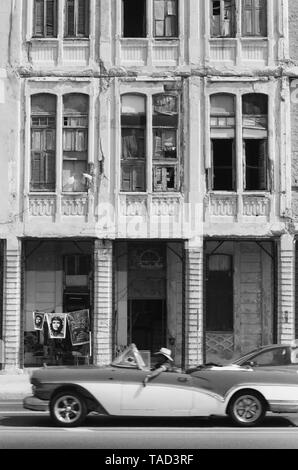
pixel 103 282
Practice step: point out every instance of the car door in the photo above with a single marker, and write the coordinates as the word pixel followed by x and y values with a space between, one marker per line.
pixel 169 394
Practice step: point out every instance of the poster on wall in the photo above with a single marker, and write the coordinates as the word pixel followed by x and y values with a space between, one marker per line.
pixel 38 320
pixel 57 325
pixel 79 327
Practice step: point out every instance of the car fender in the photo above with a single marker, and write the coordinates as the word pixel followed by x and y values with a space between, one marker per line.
pixel 245 387
pixel 92 403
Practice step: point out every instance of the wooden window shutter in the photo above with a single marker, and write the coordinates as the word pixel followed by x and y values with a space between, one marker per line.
pixel 83 17
pixel 126 177
pixel 38 28
pixel 69 18
pixel 51 18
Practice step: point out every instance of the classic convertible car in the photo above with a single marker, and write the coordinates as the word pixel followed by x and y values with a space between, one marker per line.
pixel 243 393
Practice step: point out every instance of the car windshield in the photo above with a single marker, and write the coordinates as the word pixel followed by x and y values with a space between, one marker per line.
pixel 130 358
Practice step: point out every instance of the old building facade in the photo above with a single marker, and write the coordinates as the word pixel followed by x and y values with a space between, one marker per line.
pixel 146 176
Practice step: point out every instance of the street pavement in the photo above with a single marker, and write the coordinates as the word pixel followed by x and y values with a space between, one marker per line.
pixel 14 385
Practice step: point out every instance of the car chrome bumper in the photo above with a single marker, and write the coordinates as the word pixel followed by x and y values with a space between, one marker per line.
pixel 35 404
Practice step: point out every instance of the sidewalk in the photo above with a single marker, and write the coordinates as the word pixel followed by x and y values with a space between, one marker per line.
pixel 14 385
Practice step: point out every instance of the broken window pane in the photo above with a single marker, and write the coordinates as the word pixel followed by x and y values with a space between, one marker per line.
pixel 133 149
pixel 43 142
pixel 164 178
pixel 223 163
pixel 222 18
pixel 134 18
pixel 255 164
pixel 75 142
pixel 255 115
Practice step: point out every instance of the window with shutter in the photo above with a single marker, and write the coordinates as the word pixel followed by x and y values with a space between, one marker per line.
pixel 75 142
pixel 76 18
pixel 254 18
pixel 43 143
pixel 45 18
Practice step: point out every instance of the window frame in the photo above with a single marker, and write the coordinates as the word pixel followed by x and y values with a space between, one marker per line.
pixel 59 143
pixel 251 127
pixel 45 154
pixel 149 24
pixel 169 166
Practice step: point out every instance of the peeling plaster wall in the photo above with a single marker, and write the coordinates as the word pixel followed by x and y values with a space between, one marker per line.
pixel 9 120
pixel 293 33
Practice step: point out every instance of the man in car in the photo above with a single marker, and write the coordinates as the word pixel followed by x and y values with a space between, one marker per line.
pixel 163 364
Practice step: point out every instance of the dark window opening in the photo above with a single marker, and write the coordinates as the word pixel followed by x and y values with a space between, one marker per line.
pixel 219 305
pixel 134 18
pixel 255 164
pixel 223 164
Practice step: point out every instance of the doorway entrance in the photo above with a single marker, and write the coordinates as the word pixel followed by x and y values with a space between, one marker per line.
pixel 147 323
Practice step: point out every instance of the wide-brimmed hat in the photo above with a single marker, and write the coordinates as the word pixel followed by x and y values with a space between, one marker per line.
pixel 165 352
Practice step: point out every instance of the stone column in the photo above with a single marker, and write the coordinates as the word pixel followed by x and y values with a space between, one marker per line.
pixel 12 305
pixel 286 289
pixel 193 304
pixel 103 302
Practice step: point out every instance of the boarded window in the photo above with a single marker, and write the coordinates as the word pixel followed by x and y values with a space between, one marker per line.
pixel 165 18
pixel 254 18
pixel 45 18
pixel 76 18
pixel 222 18
pixel 134 18
pixel 133 151
pixel 223 165
pixel 255 164
pixel 75 141
pixel 43 142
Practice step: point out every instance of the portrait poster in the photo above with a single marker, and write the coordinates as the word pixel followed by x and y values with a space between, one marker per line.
pixel 79 327
pixel 57 325
pixel 38 320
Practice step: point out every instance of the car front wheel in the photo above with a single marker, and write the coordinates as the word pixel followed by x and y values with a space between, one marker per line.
pixel 247 409
pixel 68 409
